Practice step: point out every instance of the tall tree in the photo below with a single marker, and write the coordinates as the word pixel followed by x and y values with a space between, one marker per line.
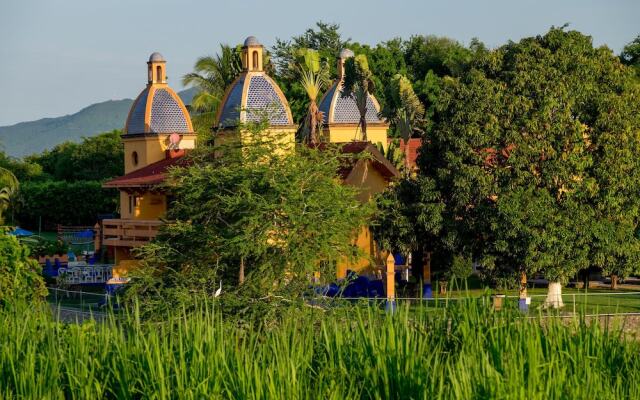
pixel 313 77
pixel 358 84
pixel 523 155
pixel 275 214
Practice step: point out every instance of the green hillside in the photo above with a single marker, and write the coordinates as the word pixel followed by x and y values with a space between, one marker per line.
pixel 35 136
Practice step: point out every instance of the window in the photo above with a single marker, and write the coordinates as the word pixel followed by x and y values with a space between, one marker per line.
pixel 255 60
pixel 134 158
pixel 159 73
pixel 150 73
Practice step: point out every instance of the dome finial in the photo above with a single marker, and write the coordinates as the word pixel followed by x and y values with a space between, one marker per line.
pixel 251 41
pixel 156 69
pixel 252 54
pixel 342 57
pixel 346 53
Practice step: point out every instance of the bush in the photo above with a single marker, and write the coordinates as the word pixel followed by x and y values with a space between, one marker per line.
pixel 20 278
pixel 61 202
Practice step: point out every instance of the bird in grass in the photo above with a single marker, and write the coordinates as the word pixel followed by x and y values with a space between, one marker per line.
pixel 219 291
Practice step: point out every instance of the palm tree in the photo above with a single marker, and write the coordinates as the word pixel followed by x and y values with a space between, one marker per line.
pixel 358 83
pixel 409 111
pixel 9 187
pixel 211 76
pixel 313 78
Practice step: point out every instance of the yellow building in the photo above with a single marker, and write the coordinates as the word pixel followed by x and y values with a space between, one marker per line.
pixel 254 97
pixel 156 134
pixel 341 115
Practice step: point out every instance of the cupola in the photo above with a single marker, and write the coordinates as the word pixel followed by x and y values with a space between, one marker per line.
pixel 253 95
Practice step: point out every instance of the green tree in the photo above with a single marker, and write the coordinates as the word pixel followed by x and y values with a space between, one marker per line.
pixel 8 187
pixel 252 213
pixel 358 84
pixel 95 158
pixel 313 77
pixel 212 75
pixel 631 55
pixel 534 152
pixel 20 279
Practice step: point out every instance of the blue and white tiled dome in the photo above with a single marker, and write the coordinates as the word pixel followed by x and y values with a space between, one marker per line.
pixel 158 110
pixel 344 110
pixel 251 98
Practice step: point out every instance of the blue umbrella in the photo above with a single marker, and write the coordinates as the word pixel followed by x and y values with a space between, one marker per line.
pixel 21 232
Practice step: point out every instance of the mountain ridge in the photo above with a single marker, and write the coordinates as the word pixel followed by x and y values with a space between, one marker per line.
pixel 30 137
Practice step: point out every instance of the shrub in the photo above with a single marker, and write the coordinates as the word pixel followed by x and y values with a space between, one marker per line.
pixel 20 278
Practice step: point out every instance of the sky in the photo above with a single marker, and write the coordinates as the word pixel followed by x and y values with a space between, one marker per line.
pixel 59 56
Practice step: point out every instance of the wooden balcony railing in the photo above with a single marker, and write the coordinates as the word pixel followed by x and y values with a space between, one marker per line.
pixel 129 232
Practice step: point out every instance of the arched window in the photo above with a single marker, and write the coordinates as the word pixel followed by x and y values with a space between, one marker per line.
pixel 159 76
pixel 134 158
pixel 255 60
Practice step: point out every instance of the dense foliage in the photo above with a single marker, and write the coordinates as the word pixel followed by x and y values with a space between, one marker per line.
pixel 64 185
pixel 20 279
pixel 534 156
pixel 254 213
pixel 61 202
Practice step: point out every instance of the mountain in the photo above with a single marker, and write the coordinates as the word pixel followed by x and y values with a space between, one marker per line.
pixel 31 137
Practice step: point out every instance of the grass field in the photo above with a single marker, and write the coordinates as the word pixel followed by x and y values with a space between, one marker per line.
pixel 465 352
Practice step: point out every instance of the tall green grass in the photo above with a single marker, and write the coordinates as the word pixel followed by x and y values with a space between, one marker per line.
pixel 466 352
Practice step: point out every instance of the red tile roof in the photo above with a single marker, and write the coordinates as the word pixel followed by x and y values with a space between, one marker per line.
pixel 379 161
pixel 151 175
pixel 412 153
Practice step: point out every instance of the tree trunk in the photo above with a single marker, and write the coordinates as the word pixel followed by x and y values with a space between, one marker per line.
pixel 554 296
pixel 313 122
pixel 241 274
pixel 614 282
pixel 523 285
pixel 363 124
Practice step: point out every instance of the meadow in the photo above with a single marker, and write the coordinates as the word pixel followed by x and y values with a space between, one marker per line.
pixel 467 351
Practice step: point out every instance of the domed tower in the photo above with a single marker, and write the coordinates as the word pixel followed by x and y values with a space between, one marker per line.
pixel 157 121
pixel 341 115
pixel 254 96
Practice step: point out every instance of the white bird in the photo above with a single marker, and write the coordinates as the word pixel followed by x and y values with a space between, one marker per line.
pixel 219 291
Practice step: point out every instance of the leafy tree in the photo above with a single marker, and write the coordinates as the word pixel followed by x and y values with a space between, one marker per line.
pixel 358 83
pixel 631 55
pixel 394 154
pixel 96 158
pixel 534 153
pixel 8 187
pixel 313 77
pixel 20 278
pixel 266 219
pixel 326 40
pixel 212 75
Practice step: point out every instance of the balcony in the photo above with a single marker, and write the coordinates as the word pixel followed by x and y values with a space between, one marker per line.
pixel 129 232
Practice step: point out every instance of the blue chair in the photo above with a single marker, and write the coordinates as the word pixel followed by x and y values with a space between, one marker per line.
pixel 93 259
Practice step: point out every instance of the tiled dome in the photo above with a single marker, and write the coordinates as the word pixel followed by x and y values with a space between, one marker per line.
pixel 157 109
pixel 250 98
pixel 166 114
pixel 343 110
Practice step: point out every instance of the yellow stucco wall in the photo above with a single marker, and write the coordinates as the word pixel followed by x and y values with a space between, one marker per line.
pixel 150 149
pixel 148 206
pixel 369 182
pixel 345 133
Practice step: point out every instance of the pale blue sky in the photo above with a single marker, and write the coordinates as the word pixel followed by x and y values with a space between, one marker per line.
pixel 58 56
